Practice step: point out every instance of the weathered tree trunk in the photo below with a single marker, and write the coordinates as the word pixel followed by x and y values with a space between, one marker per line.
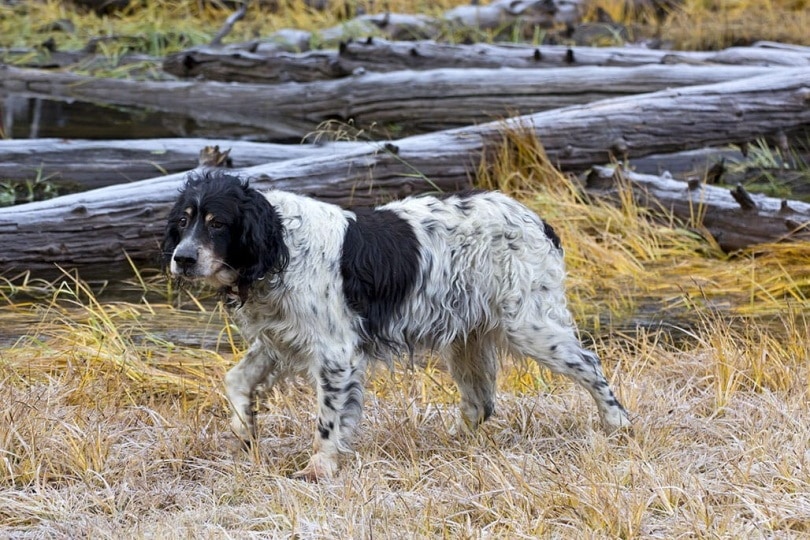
pixel 94 164
pixel 733 217
pixel 238 64
pixel 97 227
pixel 506 18
pixel 500 13
pixel 728 166
pixel 404 102
pixel 289 58
pixel 686 165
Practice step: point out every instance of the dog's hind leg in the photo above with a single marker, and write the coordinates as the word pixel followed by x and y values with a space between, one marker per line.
pixel 473 363
pixel 556 347
pixel 256 367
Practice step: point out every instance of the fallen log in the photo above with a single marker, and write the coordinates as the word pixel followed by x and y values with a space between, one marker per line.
pixel 503 18
pixel 84 165
pixel 505 13
pixel 403 102
pixel 98 227
pixel 686 165
pixel 283 62
pixel 734 218
pixel 782 46
pixel 782 173
pixel 241 63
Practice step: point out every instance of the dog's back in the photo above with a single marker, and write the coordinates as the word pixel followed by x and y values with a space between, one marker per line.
pixel 484 259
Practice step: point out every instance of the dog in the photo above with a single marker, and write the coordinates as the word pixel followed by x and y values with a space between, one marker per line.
pixel 320 291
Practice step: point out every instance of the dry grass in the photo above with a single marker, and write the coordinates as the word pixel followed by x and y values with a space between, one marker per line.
pixel 716 24
pixel 111 427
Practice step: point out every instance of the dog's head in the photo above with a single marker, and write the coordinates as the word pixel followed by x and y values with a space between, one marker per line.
pixel 223 232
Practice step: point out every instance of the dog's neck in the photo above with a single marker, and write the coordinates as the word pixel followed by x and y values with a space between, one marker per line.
pixel 229 294
pixel 237 295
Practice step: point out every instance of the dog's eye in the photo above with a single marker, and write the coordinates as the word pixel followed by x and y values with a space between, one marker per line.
pixel 182 222
pixel 214 224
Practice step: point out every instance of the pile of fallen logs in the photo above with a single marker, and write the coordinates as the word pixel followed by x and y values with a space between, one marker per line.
pixel 447 105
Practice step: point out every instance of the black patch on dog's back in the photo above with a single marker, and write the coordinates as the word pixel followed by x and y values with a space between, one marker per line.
pixel 552 235
pixel 379 265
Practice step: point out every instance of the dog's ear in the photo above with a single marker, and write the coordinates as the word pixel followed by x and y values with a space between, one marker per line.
pixel 261 247
pixel 171 235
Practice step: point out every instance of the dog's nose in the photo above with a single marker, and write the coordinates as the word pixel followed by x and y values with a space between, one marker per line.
pixel 185 259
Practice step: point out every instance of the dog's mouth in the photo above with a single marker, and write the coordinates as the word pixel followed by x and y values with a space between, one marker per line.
pixel 222 276
pixel 180 268
pixel 186 273
pixel 201 264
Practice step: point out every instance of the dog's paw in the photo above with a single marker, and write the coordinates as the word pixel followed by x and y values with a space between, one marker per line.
pixel 320 468
pixel 237 443
pixel 243 429
pixel 462 428
pixel 617 423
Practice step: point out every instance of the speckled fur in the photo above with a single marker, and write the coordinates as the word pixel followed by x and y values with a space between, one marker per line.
pixel 489 280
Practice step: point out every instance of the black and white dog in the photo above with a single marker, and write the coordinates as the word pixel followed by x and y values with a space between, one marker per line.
pixel 321 290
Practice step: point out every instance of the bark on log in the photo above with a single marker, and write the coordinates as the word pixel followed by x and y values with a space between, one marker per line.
pixel 735 218
pixel 505 17
pixel 782 46
pixel 95 228
pixel 730 166
pixel 95 164
pixel 532 13
pixel 237 64
pixel 685 165
pixel 261 63
pixel 404 102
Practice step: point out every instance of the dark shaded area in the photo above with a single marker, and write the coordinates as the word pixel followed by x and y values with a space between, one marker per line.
pixel 29 118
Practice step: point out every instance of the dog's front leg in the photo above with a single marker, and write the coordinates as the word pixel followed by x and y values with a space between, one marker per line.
pixel 340 408
pixel 256 366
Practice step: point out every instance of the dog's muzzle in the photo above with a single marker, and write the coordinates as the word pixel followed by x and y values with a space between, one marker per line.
pixel 184 260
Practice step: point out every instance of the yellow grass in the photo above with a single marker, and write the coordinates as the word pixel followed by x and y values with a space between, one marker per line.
pixel 111 427
pixel 716 24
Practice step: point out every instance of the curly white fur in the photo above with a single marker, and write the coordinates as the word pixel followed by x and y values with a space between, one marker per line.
pixel 489 280
pixel 320 291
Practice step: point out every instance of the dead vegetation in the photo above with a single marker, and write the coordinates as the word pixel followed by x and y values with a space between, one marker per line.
pixel 715 24
pixel 112 421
